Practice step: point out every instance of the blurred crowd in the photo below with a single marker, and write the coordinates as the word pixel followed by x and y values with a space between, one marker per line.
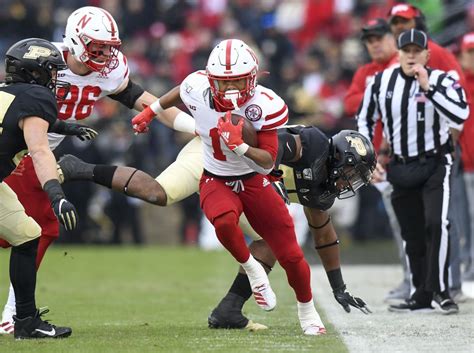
pixel 309 51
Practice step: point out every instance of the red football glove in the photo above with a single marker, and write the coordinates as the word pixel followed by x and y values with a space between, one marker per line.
pixel 232 134
pixel 141 121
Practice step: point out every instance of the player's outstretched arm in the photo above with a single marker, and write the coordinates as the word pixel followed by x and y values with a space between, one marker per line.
pixel 164 110
pixel 127 180
pixel 327 246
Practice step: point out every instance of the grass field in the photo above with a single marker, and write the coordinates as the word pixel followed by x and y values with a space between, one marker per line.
pixel 154 299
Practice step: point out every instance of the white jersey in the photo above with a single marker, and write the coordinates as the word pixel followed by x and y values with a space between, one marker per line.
pixel 85 91
pixel 265 110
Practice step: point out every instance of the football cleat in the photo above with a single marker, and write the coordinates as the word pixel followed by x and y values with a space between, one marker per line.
pixel 7 326
pixel 260 285
pixel 255 326
pixel 228 315
pixel 33 327
pixel 310 321
pixel 264 296
pixel 314 330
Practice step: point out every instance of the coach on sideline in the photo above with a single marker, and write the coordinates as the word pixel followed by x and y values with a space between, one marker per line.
pixel 417 106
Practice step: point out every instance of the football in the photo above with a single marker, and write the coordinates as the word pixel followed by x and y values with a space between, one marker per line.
pixel 249 134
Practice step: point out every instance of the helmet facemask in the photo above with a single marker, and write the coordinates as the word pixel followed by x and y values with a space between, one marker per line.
pixel 233 99
pixel 94 49
pixel 347 179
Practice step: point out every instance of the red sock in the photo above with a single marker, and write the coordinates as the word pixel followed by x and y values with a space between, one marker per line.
pixel 299 278
pixel 231 236
pixel 44 242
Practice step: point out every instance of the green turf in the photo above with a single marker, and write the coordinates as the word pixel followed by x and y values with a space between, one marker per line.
pixel 154 299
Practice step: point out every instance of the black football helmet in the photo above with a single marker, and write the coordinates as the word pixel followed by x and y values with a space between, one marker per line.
pixel 35 61
pixel 351 162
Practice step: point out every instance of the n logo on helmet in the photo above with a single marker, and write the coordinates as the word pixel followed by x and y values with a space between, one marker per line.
pixel 357 143
pixel 34 52
pixel 84 21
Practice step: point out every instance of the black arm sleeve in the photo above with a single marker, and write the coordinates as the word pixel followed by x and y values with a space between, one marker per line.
pixel 129 95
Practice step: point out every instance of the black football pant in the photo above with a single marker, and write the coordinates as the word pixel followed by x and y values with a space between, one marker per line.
pixel 423 216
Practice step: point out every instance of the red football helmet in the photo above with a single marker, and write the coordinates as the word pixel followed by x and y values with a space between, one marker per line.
pixel 231 60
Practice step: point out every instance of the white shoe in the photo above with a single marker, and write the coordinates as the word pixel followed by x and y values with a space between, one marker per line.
pixel 264 296
pixel 261 289
pixel 310 320
pixel 7 326
pixel 314 330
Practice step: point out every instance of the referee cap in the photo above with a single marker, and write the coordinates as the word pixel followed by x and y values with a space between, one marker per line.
pixel 413 36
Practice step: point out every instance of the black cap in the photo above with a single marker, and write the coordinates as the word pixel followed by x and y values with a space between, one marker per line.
pixel 413 36
pixel 375 27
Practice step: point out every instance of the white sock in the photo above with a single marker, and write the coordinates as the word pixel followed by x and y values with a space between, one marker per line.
pixel 255 272
pixel 308 315
pixel 11 302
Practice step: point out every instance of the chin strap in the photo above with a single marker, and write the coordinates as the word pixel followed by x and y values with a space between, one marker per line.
pixel 125 188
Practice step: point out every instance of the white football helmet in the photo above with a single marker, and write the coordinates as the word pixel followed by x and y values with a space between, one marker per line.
pixel 87 29
pixel 230 60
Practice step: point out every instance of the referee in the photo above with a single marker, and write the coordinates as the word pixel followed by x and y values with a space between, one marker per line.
pixel 417 106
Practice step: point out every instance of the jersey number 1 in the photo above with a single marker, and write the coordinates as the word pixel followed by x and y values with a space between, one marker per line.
pixel 216 145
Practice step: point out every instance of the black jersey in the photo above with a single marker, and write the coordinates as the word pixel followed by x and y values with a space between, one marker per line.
pixel 18 101
pixel 306 179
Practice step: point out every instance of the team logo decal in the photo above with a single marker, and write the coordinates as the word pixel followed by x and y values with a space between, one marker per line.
pixel 35 51
pixel 358 144
pixel 253 112
pixel 307 174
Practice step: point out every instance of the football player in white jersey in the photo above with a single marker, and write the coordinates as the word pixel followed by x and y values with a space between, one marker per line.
pixel 96 69
pixel 234 178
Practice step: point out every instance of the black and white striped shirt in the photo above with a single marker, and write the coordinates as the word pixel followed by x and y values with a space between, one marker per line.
pixel 414 122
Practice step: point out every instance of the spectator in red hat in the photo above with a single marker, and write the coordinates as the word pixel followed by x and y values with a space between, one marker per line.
pixel 466 141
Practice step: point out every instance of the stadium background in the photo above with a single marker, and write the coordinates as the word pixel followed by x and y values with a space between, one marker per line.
pixel 311 48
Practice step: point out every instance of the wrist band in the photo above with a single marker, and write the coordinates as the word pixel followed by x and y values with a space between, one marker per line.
pixel 241 149
pixel 156 107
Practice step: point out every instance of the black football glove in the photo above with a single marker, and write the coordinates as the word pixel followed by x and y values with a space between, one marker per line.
pixel 347 300
pixel 63 209
pixel 82 132
pixel 281 190
pixel 66 213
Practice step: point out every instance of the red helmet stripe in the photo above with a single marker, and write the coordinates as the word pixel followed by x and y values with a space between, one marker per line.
pixel 112 27
pixel 227 54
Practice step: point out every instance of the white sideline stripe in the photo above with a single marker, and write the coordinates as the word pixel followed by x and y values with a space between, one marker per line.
pixel 383 331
